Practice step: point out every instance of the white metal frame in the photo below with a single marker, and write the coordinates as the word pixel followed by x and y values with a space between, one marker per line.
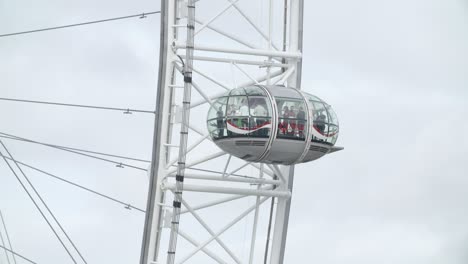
pixel 272 182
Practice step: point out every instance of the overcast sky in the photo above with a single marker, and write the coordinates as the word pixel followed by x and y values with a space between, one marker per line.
pixel 396 73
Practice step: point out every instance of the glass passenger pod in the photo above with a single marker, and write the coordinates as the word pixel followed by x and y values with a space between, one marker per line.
pixel 272 124
pixel 245 114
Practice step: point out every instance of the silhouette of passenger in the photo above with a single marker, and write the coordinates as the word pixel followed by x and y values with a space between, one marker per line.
pixel 244 112
pixel 260 112
pixel 230 113
pixel 321 123
pixel 283 125
pixel 220 121
pixel 292 122
pixel 301 121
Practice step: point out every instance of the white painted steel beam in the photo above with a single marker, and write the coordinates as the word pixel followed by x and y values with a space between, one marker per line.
pixel 246 74
pixel 153 215
pixel 194 242
pixel 189 149
pixel 236 61
pixel 278 245
pixel 238 169
pixel 233 222
pixel 215 17
pixel 214 203
pixel 225 87
pixel 254 52
pixel 226 34
pixel 227 190
pixel 230 179
pixel 211 232
pixel 257 80
pixel 256 216
pixel 251 22
pixel 200 160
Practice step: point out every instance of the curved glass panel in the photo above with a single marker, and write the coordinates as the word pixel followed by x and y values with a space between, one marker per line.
pixel 248 116
pixel 237 116
pixel 217 118
pixel 325 123
pixel 238 106
pixel 292 120
pixel 332 116
pixel 260 116
pixel 238 91
pixel 283 92
pixel 254 90
pixel 246 112
pixel 313 98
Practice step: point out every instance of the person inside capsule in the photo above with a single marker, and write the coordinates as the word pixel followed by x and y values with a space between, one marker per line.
pixel 220 121
pixel 301 119
pixel 292 122
pixel 260 113
pixel 241 123
pixel 283 124
pixel 246 112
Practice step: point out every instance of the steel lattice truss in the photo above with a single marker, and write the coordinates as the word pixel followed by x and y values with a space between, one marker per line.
pixel 228 204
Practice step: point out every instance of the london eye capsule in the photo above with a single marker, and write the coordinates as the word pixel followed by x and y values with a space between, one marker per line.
pixel 273 124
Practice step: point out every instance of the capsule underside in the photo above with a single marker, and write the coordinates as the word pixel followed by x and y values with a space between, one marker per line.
pixel 273 124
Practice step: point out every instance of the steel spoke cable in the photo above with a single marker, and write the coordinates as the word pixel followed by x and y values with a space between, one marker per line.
pixel 16 254
pixel 3 244
pixel 124 110
pixel 121 164
pixel 141 15
pixel 43 202
pixel 7 235
pixel 77 185
pixel 77 149
pixel 38 208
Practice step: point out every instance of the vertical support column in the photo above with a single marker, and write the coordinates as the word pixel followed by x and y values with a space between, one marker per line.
pixel 154 210
pixel 282 219
pixel 283 207
pixel 188 66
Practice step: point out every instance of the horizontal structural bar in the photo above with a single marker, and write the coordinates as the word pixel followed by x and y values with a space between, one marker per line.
pixel 226 190
pixel 246 62
pixel 214 203
pixel 201 160
pixel 255 52
pixel 230 179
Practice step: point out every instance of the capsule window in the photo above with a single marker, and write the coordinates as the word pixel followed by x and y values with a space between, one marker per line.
pixel 292 119
pixel 217 118
pixel 260 116
pixel 325 126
